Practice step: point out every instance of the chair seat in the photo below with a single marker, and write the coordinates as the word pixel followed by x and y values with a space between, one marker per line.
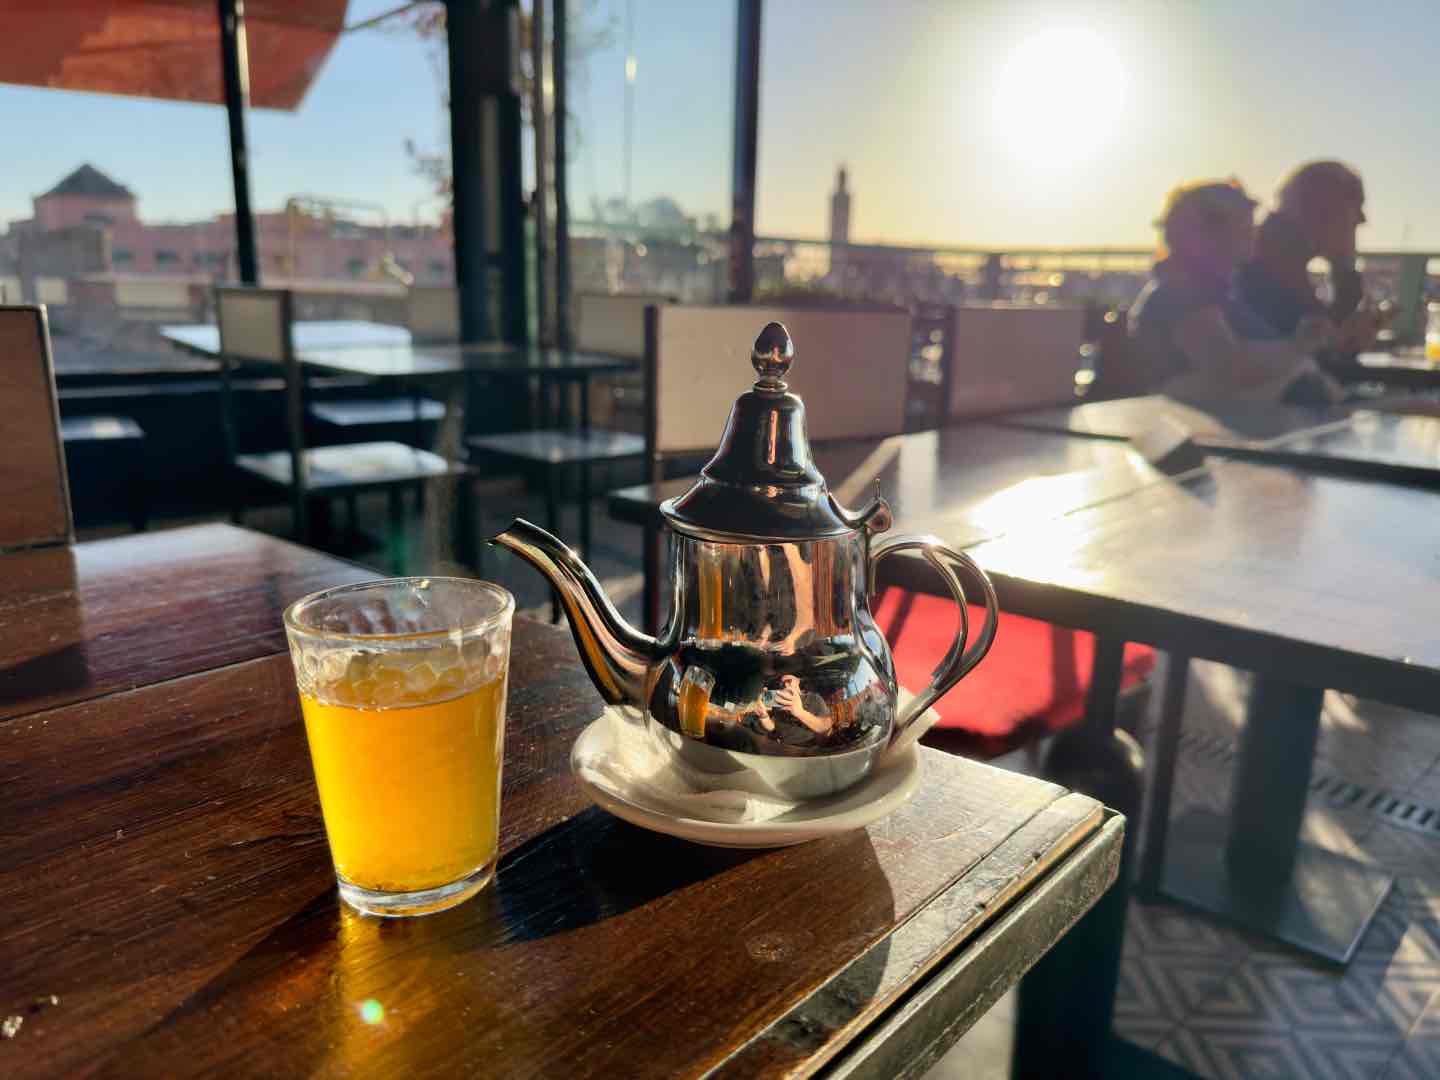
pixel 363 413
pixel 372 464
pixel 560 447
pixel 1033 682
pixel 100 429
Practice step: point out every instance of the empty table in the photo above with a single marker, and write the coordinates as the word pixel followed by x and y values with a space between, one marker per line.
pixel 1311 582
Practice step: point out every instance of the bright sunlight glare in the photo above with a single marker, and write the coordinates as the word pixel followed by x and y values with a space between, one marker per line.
pixel 1058 97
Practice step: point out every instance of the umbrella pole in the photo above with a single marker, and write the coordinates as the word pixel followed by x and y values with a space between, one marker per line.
pixel 235 64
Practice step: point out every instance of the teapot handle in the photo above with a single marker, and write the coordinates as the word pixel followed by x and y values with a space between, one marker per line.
pixel 959 660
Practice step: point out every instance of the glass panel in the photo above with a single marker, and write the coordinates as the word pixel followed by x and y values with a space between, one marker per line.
pixel 118 233
pixel 351 188
pixel 651 88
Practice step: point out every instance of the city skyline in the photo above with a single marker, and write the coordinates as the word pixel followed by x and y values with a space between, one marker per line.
pixel 966 135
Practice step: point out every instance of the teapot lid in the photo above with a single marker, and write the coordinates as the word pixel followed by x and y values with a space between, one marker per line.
pixel 762 483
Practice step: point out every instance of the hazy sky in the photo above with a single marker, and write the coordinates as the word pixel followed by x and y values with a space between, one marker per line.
pixel 962 122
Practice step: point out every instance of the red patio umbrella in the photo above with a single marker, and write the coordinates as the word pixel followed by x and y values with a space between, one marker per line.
pixel 165 48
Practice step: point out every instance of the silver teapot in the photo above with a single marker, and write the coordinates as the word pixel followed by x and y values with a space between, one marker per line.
pixel 770 672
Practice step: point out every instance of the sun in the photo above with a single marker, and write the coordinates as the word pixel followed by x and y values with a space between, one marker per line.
pixel 1059 96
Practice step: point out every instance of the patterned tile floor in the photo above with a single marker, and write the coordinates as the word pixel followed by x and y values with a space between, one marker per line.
pixel 1212 1000
pixel 1222 1003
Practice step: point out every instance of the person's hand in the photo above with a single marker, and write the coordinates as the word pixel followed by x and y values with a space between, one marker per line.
pixel 1314 332
pixel 1357 333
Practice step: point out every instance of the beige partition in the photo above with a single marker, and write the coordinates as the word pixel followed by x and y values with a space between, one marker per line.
pixel 434 313
pixel 34 496
pixel 1006 357
pixel 254 323
pixel 613 324
pixel 850 367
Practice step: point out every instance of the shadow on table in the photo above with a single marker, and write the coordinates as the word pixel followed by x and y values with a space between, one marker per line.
pixel 48 675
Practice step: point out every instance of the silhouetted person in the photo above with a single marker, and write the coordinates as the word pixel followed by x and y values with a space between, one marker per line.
pixel 1197 337
pixel 1318 209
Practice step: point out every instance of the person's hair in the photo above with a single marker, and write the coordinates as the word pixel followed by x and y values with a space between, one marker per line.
pixel 1318 184
pixel 1199 205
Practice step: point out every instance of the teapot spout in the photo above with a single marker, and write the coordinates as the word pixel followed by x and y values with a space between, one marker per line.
pixel 614 652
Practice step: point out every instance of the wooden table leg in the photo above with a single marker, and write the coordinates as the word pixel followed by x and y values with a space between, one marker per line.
pixel 1162 782
pixel 1252 869
pixel 1068 998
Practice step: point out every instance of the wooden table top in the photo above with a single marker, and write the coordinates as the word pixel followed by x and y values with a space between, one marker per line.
pixel 204 338
pixel 1346 440
pixel 164 874
pixel 488 358
pixel 1403 369
pixel 1127 419
pixel 965 483
pixel 380 350
pixel 84 621
pixel 1307 577
pixel 1372 445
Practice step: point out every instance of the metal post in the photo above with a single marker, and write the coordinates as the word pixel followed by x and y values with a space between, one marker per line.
pixel 541 124
pixel 559 52
pixel 464 29
pixel 747 128
pixel 235 65
pixel 509 129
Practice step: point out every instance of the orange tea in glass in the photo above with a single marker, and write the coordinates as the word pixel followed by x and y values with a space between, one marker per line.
pixel 402 686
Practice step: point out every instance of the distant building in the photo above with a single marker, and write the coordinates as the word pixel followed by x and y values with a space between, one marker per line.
pixel 88 226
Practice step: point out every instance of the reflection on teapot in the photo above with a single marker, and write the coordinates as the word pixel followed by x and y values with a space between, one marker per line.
pixel 771 669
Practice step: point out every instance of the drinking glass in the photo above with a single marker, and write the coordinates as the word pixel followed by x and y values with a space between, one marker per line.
pixel 402 685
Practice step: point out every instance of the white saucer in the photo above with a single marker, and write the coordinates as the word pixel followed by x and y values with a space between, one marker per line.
pixel 879 794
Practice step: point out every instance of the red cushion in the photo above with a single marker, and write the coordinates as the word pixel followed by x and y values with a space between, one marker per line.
pixel 1036 673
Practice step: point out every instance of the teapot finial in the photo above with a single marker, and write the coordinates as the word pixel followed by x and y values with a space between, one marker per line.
pixel 773 355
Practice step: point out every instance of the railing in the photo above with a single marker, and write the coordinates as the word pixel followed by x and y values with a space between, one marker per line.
pixel 691 263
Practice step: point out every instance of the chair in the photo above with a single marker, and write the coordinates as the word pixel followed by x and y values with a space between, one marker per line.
pixel 109 448
pixel 1010 357
pixel 850 368
pixel 34 493
pixel 1116 370
pixel 1038 677
pixel 605 324
pixel 255 328
pixel 1035 681
pixel 614 324
pixel 433 314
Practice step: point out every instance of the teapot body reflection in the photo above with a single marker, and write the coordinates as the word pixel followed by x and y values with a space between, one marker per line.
pixel 771 672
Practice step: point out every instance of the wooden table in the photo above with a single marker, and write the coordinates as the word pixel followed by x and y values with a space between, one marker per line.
pixel 203 339
pixel 1310 581
pixel 1129 419
pixel 373 350
pixel 85 621
pixel 1343 440
pixel 164 874
pixel 1403 369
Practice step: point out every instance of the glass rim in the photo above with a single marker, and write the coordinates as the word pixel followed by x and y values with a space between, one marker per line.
pixel 489 622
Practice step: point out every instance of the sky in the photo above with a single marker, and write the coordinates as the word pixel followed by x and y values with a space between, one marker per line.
pixel 962 122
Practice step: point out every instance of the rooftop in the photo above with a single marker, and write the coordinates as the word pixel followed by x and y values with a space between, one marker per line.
pixel 88 180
